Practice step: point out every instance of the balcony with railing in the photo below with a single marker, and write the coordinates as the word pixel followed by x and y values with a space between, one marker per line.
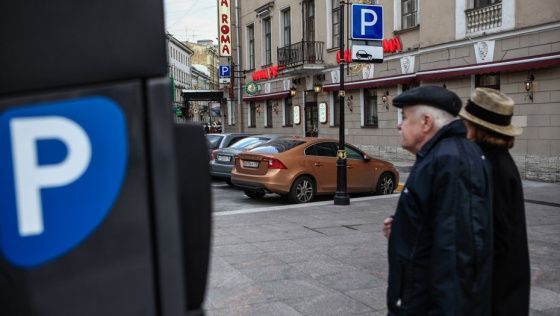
pixel 300 54
pixel 485 18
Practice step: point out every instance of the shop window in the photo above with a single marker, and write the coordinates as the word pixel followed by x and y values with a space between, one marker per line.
pixel 268 116
pixel 488 81
pixel 288 112
pixel 370 108
pixel 252 114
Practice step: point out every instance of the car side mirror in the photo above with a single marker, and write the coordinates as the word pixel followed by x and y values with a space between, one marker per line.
pixel 367 158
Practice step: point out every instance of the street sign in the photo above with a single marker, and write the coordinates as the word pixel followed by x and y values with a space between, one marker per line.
pixel 367 22
pixel 225 71
pixel 224 74
pixel 62 172
pixel 367 54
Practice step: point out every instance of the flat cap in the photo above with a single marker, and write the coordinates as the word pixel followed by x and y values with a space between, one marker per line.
pixel 435 96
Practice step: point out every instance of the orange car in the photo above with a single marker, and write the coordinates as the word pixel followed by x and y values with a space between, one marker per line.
pixel 300 168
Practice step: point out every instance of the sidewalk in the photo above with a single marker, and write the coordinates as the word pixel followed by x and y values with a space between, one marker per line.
pixel 322 259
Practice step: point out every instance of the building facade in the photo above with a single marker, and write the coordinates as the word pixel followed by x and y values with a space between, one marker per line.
pixel 206 54
pixel 179 60
pixel 289 57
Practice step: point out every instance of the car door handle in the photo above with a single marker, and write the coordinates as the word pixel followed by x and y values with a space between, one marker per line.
pixel 317 164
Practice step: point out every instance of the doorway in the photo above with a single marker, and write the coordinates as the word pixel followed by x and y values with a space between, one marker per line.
pixel 311 119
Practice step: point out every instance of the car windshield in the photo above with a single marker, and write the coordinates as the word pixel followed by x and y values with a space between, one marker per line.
pixel 249 142
pixel 277 146
pixel 214 141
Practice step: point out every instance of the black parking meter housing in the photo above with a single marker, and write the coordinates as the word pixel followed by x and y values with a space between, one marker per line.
pixel 149 255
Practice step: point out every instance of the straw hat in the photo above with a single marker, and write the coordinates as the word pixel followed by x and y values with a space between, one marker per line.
pixel 491 109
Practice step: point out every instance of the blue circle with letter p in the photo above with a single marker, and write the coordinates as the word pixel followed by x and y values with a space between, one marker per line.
pixel 62 167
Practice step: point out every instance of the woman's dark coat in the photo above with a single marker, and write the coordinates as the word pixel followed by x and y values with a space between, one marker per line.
pixel 511 280
pixel 440 247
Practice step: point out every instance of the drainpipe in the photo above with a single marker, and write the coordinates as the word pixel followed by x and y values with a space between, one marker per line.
pixel 238 66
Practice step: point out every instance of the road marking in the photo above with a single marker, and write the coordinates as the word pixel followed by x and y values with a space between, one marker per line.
pixel 295 206
pixel 219 185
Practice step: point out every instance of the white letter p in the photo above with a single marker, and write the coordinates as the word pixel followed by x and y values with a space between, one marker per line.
pixel 30 177
pixel 367 23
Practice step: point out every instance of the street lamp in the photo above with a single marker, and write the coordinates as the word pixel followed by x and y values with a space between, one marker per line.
pixel 341 196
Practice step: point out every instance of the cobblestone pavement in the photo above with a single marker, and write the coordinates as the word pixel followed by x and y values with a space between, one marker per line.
pixel 322 259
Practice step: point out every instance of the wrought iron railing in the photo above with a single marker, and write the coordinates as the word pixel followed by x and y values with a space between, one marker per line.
pixel 306 52
pixel 485 18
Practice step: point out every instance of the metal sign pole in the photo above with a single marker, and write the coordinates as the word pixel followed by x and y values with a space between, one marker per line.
pixel 341 196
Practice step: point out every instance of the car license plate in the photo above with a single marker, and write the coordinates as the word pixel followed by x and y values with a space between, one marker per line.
pixel 250 164
pixel 224 158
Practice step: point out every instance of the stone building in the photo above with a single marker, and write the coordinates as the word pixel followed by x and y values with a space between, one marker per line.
pixel 206 54
pixel 289 49
pixel 179 60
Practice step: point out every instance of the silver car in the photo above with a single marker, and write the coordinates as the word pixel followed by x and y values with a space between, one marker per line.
pixel 217 141
pixel 223 160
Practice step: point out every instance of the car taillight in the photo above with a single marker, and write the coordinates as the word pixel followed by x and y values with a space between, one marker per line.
pixel 274 163
pixel 213 154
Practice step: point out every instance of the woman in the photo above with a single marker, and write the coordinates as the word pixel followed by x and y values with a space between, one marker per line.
pixel 487 116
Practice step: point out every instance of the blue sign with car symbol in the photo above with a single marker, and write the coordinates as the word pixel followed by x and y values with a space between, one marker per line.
pixel 62 167
pixel 367 22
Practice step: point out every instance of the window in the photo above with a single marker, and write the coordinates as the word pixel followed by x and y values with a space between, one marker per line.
pixel 310 21
pixel 485 3
pixel 409 11
pixel 288 112
pixel 488 81
pixel 287 27
pixel 335 110
pixel 252 114
pixel 267 42
pixel 251 43
pixel 335 14
pixel 268 117
pixel 370 107
pixel 353 153
pixel 322 149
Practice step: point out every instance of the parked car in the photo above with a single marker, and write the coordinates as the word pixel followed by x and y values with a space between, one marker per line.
pixel 217 141
pixel 221 160
pixel 301 168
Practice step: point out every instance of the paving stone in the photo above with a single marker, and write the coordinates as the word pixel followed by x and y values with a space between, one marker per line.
pixel 274 308
pixel 544 299
pixel 289 289
pixel 373 297
pixel 275 272
pixel 332 304
pixel 350 280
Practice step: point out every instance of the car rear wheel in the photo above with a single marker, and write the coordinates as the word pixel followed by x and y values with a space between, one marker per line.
pixel 386 184
pixel 303 190
pixel 254 194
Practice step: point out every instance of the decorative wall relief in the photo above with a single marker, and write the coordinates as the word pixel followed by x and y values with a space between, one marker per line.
pixel 484 51
pixel 335 76
pixel 407 64
pixel 368 71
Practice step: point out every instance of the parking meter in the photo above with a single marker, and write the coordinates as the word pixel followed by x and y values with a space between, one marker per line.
pixel 96 214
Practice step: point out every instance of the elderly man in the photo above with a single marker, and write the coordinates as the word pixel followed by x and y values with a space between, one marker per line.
pixel 440 241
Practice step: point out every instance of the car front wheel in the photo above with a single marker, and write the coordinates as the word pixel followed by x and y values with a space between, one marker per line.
pixel 303 190
pixel 386 184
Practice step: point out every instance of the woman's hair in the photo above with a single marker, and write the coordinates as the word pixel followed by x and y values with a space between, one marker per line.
pixel 486 136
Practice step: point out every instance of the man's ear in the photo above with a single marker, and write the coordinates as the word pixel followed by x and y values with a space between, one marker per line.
pixel 427 122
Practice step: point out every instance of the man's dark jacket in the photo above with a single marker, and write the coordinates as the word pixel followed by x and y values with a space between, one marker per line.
pixel 440 247
pixel 511 280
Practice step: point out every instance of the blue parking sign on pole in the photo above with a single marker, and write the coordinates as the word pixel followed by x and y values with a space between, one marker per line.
pixel 367 22
pixel 225 71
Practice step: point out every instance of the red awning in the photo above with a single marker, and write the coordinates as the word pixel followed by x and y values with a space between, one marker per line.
pixel 269 96
pixel 371 83
pixel 518 64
